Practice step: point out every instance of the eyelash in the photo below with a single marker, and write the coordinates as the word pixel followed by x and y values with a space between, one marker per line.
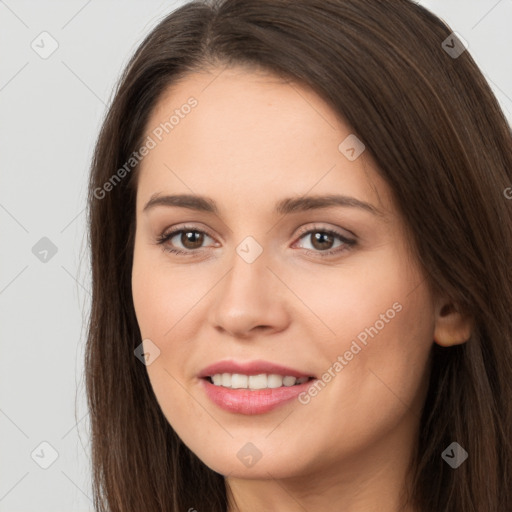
pixel 165 237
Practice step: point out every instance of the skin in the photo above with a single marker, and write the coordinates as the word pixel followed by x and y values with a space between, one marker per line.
pixel 251 141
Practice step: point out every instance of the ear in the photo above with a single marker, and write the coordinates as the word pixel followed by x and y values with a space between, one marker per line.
pixel 451 326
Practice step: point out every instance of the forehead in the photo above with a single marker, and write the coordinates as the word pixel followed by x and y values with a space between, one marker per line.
pixel 253 133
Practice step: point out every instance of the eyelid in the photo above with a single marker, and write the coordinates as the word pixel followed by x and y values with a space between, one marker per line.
pixel 316 227
pixel 185 227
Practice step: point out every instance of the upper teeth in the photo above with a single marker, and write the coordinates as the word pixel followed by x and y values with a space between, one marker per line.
pixel 262 381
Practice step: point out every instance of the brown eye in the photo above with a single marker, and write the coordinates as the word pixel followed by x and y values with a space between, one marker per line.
pixel 321 240
pixel 186 241
pixel 326 242
pixel 192 239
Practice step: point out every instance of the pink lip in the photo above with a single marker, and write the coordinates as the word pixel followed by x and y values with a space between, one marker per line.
pixel 245 401
pixel 251 368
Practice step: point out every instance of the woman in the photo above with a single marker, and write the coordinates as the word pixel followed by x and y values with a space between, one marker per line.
pixel 230 367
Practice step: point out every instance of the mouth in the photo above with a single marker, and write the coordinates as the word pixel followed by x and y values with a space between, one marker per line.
pixel 253 387
pixel 254 394
pixel 255 382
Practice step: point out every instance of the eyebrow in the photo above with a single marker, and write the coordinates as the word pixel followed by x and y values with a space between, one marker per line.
pixel 284 206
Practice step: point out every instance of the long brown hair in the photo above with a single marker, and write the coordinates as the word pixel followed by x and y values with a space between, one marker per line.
pixel 441 142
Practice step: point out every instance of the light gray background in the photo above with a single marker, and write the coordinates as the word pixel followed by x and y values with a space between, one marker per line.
pixel 50 111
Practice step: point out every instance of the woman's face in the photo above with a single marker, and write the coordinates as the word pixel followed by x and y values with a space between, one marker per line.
pixel 261 281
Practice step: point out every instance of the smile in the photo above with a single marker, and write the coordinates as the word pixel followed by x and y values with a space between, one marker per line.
pixel 255 382
pixel 249 401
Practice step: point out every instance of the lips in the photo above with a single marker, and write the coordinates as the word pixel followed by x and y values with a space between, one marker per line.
pixel 249 402
pixel 256 367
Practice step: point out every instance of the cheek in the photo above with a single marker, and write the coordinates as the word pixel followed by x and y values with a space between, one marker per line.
pixel 148 301
pixel 376 373
pixel 161 294
pixel 384 356
pixel 383 323
pixel 169 303
pixel 162 301
pixel 372 293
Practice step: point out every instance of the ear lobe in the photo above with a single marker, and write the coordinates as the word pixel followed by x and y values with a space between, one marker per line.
pixel 451 326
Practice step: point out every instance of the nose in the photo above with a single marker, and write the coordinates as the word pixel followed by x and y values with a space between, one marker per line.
pixel 250 299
